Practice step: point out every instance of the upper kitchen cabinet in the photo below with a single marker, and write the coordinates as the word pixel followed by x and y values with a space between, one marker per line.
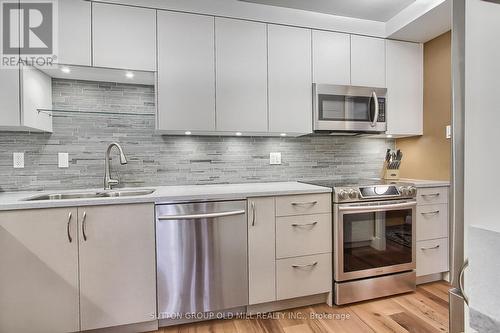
pixel 368 61
pixel 74 32
pixel 290 94
pixel 186 72
pixel 23 92
pixel 124 37
pixel 10 115
pixel 241 76
pixel 404 88
pixel 331 57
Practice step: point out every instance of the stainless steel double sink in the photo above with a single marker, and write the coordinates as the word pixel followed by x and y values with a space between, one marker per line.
pixel 91 195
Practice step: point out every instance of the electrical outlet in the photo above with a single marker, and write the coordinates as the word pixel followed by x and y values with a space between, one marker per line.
pixel 275 158
pixel 63 160
pixel 18 160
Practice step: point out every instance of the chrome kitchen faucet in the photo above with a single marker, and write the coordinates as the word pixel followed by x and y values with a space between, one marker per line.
pixel 108 182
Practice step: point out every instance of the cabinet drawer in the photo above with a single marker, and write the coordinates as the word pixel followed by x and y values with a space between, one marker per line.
pixel 303 235
pixel 432 221
pixel 303 276
pixel 432 195
pixel 432 256
pixel 303 204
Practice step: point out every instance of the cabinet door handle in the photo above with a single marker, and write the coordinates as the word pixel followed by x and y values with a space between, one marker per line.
pixel 70 215
pixel 253 213
pixel 430 213
pixel 305 266
pixel 430 195
pixel 429 248
pixel 84 218
pixel 304 225
pixel 309 203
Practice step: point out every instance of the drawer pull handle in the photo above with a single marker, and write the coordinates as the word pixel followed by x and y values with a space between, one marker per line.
pixel 430 213
pixel 429 248
pixel 304 225
pixel 430 195
pixel 309 203
pixel 305 266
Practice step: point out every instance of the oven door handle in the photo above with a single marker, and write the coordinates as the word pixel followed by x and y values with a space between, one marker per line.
pixel 377 207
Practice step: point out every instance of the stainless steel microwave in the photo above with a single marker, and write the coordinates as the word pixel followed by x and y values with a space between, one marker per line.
pixel 349 109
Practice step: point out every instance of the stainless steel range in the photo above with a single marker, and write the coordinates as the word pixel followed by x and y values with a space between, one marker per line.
pixel 374 239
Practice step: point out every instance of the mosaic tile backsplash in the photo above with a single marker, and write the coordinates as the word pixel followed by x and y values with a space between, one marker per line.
pixel 165 160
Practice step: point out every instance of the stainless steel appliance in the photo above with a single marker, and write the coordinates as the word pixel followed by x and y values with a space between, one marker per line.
pixel 349 109
pixel 374 239
pixel 201 250
pixel 457 297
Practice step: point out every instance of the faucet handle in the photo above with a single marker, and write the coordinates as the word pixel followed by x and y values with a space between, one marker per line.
pixel 112 182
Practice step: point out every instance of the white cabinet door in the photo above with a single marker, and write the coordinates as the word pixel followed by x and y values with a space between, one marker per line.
pixel 331 57
pixel 39 271
pixel 74 32
pixel 261 250
pixel 36 93
pixel 241 76
pixel 405 94
pixel 22 93
pixel 117 265
pixel 124 37
pixel 186 72
pixel 290 85
pixel 9 98
pixel 367 61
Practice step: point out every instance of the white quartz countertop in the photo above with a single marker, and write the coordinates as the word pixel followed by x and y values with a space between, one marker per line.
pixel 420 183
pixel 164 194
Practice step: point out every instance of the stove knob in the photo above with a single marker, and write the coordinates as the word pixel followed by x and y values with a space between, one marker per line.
pixel 404 191
pixel 343 195
pixel 353 194
pixel 412 191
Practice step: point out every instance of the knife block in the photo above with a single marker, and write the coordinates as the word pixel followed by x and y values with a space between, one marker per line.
pixel 391 174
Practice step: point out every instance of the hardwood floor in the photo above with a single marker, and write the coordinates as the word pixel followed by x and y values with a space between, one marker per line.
pixel 425 311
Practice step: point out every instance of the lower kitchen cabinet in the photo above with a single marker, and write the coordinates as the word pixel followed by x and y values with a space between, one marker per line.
pixel 432 249
pixel 39 271
pixel 261 250
pixel 304 276
pixel 289 248
pixel 71 269
pixel 117 265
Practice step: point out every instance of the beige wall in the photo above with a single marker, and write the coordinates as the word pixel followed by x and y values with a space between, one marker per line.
pixel 428 156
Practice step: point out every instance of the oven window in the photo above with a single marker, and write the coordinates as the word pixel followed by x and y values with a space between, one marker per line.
pixel 374 240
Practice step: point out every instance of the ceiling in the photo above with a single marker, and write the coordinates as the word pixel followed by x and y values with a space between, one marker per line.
pixel 375 10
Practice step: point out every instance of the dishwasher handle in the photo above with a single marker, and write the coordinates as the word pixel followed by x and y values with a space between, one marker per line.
pixel 201 216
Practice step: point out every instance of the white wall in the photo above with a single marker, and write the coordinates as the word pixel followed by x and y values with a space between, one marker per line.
pixel 482 139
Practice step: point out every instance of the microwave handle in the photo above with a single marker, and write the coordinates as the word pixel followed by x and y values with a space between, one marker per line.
pixel 377 110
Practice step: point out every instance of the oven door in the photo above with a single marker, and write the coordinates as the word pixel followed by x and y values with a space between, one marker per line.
pixel 346 108
pixel 374 239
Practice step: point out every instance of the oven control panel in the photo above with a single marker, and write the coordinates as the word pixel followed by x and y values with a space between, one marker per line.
pixel 374 192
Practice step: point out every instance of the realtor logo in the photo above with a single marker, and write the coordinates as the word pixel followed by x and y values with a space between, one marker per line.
pixel 28 32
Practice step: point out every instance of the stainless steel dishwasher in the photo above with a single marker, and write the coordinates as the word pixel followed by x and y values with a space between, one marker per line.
pixel 201 257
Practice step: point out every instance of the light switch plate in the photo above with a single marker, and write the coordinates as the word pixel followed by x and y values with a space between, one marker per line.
pixel 18 160
pixel 63 160
pixel 275 158
pixel 448 132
